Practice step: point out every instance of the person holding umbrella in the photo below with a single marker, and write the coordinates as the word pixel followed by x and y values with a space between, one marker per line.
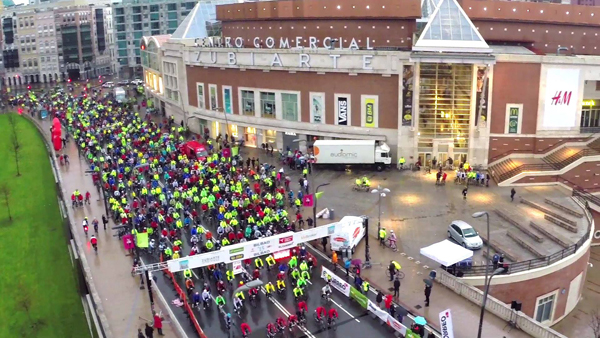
pixel 418 326
pixel 427 291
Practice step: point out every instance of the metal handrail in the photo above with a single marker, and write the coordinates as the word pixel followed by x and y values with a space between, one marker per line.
pixel 542 261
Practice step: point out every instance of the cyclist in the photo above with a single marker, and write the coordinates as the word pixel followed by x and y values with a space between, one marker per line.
pixel 280 285
pixel 292 321
pixel 205 298
pixel 228 320
pixel 189 285
pixel 245 329
pixel 332 313
pixel 237 303
pixel 85 224
pixel 95 224
pixel 196 299
pixel 321 312
pixel 295 274
pixel 87 197
pixel 94 242
pixel 220 301
pixel 241 296
pixel 325 291
pixel 269 288
pixel 220 286
pixel 302 308
pixel 301 282
pixel 298 293
pixel 253 293
pixel 281 275
pixel 271 330
pixel 305 275
pixel 270 262
pixel 280 323
pixel 392 239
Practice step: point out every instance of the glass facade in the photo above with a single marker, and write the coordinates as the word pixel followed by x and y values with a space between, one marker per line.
pixel 290 106
pixel 445 104
pixel 590 114
pixel 267 103
pixel 248 102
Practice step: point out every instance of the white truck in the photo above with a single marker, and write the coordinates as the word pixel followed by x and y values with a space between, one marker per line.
pixel 351 233
pixel 352 153
pixel 120 95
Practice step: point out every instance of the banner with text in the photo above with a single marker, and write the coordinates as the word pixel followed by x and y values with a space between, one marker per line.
pixel 337 282
pixel 317 108
pixel 407 95
pixel 446 327
pixel 370 113
pixel 342 111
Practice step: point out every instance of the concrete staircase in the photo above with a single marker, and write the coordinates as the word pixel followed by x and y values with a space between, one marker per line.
pixel 503 169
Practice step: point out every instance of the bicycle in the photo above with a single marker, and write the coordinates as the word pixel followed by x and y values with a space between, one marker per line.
pixel 332 324
pixel 320 321
pixel 398 274
pixel 392 245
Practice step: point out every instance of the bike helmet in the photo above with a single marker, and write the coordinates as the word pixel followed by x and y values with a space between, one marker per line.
pixel 392 231
pixel 229 315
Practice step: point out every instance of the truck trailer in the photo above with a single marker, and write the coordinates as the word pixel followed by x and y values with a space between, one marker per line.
pixel 371 153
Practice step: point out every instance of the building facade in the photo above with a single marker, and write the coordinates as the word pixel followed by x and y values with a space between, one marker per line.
pixel 54 41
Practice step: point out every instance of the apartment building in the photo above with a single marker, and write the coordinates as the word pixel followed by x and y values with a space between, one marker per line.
pixel 54 41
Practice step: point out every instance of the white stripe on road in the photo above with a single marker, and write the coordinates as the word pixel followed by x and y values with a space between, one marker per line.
pixel 285 312
pixel 348 313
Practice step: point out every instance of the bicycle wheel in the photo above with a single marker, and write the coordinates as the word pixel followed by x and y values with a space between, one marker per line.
pixel 387 273
pixel 400 274
pixel 333 325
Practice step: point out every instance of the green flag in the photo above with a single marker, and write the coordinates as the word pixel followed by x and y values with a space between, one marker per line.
pixel 318 195
pixel 235 151
pixel 142 239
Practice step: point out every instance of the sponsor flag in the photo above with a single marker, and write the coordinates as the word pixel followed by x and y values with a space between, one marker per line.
pixel 235 151
pixel 446 324
pixel 128 242
pixel 142 240
pixel 318 195
pixel 308 200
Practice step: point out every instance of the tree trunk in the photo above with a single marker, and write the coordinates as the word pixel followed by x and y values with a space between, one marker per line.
pixel 8 208
pixel 17 162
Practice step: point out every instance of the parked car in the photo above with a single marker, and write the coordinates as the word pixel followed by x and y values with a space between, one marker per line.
pixel 137 82
pixel 108 84
pixel 123 82
pixel 465 235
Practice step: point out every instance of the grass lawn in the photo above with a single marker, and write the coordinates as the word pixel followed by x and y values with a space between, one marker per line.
pixel 38 290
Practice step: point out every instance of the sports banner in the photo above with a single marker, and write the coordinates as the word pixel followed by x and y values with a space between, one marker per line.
pixel 337 282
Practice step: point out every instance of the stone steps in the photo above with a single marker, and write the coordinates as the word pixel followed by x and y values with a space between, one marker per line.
pixel 530 247
pixel 548 212
pixel 563 208
pixel 558 240
pixel 519 226
pixel 560 223
pixel 499 248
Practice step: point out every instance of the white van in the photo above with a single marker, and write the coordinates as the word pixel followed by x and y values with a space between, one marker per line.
pixel 352 232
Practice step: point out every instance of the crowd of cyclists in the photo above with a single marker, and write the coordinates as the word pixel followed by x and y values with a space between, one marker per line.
pixel 153 187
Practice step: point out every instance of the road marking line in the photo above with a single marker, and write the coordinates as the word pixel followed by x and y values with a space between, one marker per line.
pixel 348 313
pixel 285 312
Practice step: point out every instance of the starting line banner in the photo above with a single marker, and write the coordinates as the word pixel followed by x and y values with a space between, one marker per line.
pixel 260 247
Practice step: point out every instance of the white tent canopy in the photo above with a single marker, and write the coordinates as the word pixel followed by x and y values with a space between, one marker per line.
pixel 446 252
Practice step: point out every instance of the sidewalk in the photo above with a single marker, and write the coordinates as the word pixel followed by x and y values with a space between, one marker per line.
pixel 465 314
pixel 126 307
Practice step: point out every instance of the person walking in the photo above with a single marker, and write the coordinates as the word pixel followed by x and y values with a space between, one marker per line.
pixel 464 193
pixel 427 294
pixel 379 298
pixel 334 260
pixel 513 192
pixel 149 331
pixel 323 242
pixel 347 264
pixel 140 334
pixel 158 324
pixel 396 287
pixel 104 221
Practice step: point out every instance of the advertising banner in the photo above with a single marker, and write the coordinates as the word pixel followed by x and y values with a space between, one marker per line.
pixel 307 200
pixel 128 242
pixel 446 327
pixel 361 299
pixel 481 97
pixel 315 233
pixel 513 120
pixel 237 267
pixel 562 96
pixel 317 108
pixel 397 326
pixel 376 310
pixel 342 113
pixel 337 282
pixel 370 113
pixel 407 94
pixel 142 240
pixel 227 100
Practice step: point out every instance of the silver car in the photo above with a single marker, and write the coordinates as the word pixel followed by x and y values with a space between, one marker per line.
pixel 465 235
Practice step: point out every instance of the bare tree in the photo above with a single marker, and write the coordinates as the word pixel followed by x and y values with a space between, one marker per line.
pixel 595 323
pixel 5 195
pixel 15 142
pixel 24 300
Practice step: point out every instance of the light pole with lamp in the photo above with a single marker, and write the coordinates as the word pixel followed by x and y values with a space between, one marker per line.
pixel 315 203
pixel 381 192
pixel 485 294
pixel 487 253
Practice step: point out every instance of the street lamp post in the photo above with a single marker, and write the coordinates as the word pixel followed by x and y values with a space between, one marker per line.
pixel 381 192
pixel 485 294
pixel 315 203
pixel 487 254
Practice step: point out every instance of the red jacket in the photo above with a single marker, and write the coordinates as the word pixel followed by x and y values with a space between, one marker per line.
pixel 157 322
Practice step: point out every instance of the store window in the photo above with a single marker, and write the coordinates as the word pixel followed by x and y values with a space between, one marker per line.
pixel 200 91
pixel 271 137
pixel 590 114
pixel 544 308
pixel 290 106
pixel 248 102
pixel 233 131
pixel 250 136
pixel 267 103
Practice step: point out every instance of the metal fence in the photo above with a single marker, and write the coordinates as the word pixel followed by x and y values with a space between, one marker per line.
pixel 542 261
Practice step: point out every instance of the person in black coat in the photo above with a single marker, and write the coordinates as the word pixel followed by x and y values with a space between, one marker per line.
pixel 149 331
pixel 379 298
pixel 397 287
pixel 427 294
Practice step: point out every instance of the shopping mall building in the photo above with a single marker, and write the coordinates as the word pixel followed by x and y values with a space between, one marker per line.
pixel 477 81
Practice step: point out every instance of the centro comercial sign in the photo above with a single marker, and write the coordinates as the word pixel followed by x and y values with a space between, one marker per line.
pixel 299 42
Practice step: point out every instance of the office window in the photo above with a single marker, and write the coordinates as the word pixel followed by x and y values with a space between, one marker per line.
pixel 120 28
pixel 155 25
pixel 137 18
pixel 544 308
pixel 267 103
pixel 154 8
pixel 248 102
pixel 200 91
pixel 120 11
pixel 122 52
pixel 173 24
pixel 137 26
pixel 172 7
pixel 122 44
pixel 290 106
pixel 154 16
